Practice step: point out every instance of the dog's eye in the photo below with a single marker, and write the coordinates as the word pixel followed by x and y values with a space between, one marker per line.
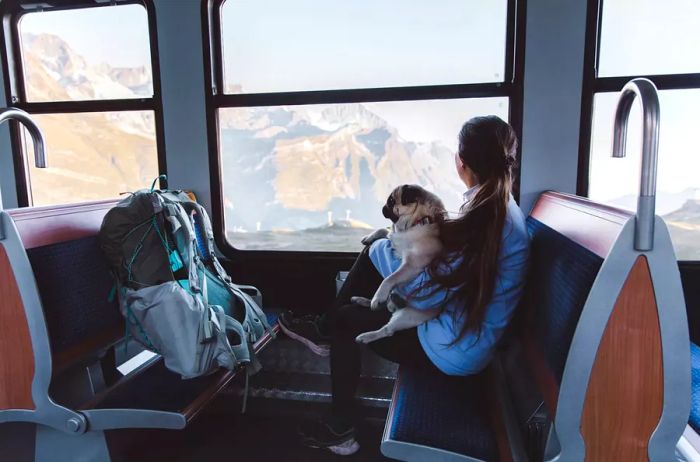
pixel 390 201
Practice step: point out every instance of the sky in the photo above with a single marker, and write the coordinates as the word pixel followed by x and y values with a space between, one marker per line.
pixel 649 37
pixel 117 35
pixel 319 45
pixel 280 45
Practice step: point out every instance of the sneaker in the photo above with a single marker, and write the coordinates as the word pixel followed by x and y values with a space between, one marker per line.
pixel 329 433
pixel 305 329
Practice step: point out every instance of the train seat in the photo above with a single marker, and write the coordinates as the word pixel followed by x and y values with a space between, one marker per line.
pixel 695 401
pixel 68 331
pixel 507 412
pixel 436 417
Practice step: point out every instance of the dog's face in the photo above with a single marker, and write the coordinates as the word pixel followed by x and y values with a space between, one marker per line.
pixel 407 199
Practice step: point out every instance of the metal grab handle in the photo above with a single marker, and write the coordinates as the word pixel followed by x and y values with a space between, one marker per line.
pixel 12 113
pixel 646 203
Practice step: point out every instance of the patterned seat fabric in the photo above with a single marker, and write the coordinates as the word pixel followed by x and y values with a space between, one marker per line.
pixel 560 277
pixel 695 396
pixel 74 283
pixel 448 413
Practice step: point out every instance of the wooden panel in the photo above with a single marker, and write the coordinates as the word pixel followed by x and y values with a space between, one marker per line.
pixel 625 393
pixel 16 354
pixel 594 226
pixel 39 226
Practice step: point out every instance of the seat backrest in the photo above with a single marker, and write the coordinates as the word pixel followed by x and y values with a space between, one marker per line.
pixel 72 278
pixel 570 238
pixel 561 276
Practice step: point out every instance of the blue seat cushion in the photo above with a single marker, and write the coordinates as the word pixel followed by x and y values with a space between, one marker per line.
pixel 695 396
pixel 448 413
pixel 74 283
pixel 560 278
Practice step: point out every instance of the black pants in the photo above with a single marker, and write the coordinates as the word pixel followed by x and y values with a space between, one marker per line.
pixel 346 321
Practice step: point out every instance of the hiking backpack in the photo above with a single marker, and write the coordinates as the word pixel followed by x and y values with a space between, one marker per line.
pixel 174 294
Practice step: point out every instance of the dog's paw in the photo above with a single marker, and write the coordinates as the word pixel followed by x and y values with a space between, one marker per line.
pixel 362 301
pixel 376 235
pixel 368 337
pixel 377 304
pixel 380 297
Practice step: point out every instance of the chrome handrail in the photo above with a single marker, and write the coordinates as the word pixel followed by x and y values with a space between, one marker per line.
pixel 12 113
pixel 646 203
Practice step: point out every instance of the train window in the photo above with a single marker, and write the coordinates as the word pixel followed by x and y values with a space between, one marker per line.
pixel 311 45
pixel 648 37
pixel 629 48
pixel 92 156
pixel 325 108
pixel 86 75
pixel 315 177
pixel 86 54
pixel 616 181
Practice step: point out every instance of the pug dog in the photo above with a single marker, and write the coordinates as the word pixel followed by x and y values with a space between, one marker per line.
pixel 415 214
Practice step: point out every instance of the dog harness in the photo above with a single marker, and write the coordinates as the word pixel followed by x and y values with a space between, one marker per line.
pixel 427 220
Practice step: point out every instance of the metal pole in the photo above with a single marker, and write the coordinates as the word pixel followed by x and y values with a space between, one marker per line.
pixel 646 91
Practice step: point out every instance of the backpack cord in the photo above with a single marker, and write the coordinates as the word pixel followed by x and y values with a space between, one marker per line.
pixel 245 391
pixel 131 319
pixel 160 177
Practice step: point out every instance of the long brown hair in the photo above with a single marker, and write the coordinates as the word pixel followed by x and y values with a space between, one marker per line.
pixel 468 265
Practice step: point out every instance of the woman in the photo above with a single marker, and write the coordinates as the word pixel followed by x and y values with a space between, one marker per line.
pixel 476 282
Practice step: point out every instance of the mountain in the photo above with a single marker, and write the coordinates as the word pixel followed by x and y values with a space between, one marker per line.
pixel 91 155
pixel 665 202
pixel 684 226
pixel 681 212
pixel 294 164
pixel 54 72
pixel 284 168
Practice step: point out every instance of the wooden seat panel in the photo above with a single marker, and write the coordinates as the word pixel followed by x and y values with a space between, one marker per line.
pixel 16 353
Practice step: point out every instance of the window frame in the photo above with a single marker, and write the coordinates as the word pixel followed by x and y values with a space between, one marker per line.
pixel 15 91
pixel 592 84
pixel 511 87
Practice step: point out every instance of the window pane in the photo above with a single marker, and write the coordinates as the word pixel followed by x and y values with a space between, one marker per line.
pixel 93 156
pixel 616 181
pixel 315 45
pixel 646 37
pixel 87 54
pixel 316 177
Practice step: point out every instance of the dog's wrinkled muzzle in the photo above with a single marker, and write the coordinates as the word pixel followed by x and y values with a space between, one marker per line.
pixel 389 213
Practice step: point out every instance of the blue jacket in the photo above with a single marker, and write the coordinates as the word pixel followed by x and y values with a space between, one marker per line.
pixel 469 355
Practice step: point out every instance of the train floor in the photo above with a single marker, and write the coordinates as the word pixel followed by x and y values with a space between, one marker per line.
pixel 266 433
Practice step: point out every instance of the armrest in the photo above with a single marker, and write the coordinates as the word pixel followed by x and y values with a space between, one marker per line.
pixel 110 419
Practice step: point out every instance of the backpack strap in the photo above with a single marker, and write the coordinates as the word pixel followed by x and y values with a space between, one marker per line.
pixel 258 320
pixel 253 311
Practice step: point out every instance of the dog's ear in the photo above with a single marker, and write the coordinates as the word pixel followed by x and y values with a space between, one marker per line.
pixel 410 194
